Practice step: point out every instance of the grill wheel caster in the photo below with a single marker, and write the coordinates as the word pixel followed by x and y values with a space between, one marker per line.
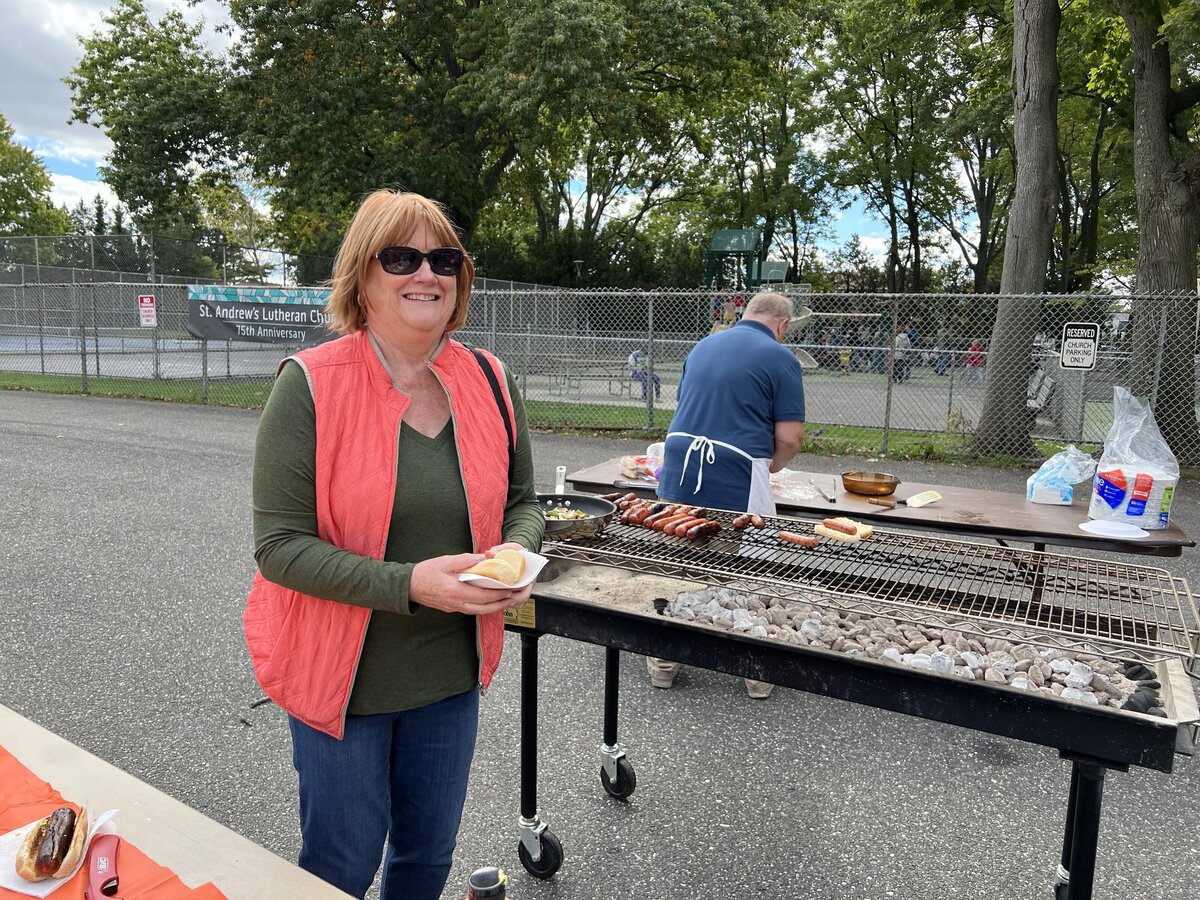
pixel 550 859
pixel 625 783
pixel 1060 891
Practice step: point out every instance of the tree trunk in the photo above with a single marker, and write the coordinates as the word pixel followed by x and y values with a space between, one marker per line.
pixel 1004 424
pixel 1168 200
pixel 1087 250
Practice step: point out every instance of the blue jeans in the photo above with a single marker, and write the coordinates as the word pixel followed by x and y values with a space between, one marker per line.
pixel 395 777
pixel 641 378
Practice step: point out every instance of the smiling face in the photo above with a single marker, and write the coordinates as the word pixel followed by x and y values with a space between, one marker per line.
pixel 401 305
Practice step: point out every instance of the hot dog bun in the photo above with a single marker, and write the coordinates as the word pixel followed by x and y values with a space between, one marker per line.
pixel 507 567
pixel 835 534
pixel 863 531
pixel 516 559
pixel 54 845
pixel 495 569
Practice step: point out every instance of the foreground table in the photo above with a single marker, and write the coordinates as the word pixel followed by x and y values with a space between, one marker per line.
pixel 174 835
pixel 997 515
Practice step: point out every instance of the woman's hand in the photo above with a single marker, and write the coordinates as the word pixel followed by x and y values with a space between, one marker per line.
pixel 434 583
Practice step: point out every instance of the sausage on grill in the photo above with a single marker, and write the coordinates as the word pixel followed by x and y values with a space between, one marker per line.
pixel 839 525
pixel 804 540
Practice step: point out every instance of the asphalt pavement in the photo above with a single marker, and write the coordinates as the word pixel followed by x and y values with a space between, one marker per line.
pixel 124 564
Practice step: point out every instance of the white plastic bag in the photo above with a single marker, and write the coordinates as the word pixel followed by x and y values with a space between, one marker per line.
pixel 1135 481
pixel 1052 483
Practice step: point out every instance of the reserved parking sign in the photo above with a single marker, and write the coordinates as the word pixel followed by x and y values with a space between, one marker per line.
pixel 1080 341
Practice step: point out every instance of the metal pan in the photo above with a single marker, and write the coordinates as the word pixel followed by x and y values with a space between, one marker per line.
pixel 600 513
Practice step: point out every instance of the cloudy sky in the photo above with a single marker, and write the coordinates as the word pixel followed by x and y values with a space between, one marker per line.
pixel 39 45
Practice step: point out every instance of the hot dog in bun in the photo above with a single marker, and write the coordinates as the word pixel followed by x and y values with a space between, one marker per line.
pixel 53 846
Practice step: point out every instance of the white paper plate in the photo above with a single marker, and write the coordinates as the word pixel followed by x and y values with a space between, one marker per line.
pixel 533 566
pixel 1108 528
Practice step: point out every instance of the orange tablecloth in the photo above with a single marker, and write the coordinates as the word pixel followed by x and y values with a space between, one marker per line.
pixel 25 798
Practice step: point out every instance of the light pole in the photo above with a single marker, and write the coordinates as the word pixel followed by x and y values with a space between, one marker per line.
pixel 578 271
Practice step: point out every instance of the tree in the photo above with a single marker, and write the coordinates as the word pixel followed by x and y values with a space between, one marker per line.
pixel 979 128
pixel 886 92
pixel 1167 169
pixel 1003 423
pixel 157 93
pixel 25 205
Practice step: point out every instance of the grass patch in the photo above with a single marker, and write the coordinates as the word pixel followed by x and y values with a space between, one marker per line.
pixel 242 393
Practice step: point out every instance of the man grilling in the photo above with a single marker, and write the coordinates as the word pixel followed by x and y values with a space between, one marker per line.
pixel 739 417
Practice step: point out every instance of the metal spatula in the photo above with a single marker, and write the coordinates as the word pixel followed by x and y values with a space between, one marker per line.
pixel 916 501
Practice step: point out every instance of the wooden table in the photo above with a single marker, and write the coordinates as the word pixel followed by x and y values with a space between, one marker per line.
pixel 174 835
pixel 967 512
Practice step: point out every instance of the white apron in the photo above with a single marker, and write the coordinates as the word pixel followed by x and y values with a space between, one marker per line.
pixel 760 500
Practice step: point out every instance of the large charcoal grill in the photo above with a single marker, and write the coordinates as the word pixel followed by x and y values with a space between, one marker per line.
pixel 1125 613
pixel 1077 604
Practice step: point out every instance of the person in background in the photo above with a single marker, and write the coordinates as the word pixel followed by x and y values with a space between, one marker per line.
pixel 901 361
pixel 387 462
pixel 739 418
pixel 941 360
pixel 639 373
pixel 973 362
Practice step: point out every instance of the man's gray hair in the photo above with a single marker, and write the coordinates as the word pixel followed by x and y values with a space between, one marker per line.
pixel 769 305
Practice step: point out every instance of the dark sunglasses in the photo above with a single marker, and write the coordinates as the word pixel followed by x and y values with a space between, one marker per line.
pixel 406 260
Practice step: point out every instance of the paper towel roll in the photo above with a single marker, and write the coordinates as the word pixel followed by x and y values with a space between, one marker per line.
pixel 1140 496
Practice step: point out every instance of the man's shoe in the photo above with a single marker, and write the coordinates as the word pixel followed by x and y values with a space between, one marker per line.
pixel 662 671
pixel 758 690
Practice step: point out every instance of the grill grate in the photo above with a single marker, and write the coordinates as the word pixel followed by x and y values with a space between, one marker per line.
pixel 1074 603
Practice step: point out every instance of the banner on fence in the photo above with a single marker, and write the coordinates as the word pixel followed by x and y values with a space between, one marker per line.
pixel 293 316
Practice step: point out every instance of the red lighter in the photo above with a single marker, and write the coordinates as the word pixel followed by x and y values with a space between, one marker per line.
pixel 102 867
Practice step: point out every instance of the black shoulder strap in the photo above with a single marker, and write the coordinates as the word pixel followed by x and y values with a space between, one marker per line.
pixel 490 373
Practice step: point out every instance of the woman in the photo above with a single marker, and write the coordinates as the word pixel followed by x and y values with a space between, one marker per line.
pixel 383 468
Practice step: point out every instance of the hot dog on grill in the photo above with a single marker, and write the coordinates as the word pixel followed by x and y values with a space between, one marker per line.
pixel 838 534
pixel 740 522
pixel 839 525
pixel 669 511
pixel 757 521
pixel 637 516
pixel 628 514
pixel 53 846
pixel 804 540
pixel 706 526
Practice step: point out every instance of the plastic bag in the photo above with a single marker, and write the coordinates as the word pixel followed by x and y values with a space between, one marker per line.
pixel 1135 481
pixel 1052 483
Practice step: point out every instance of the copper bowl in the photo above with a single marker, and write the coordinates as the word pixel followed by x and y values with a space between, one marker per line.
pixel 871 484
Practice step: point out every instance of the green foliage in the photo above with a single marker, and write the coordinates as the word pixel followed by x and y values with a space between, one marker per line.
pixel 25 206
pixel 158 95
pixel 617 132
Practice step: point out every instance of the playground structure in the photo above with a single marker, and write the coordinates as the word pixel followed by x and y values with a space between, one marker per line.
pixel 742 247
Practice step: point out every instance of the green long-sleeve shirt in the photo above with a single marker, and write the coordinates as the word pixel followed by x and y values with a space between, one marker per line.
pixel 413 655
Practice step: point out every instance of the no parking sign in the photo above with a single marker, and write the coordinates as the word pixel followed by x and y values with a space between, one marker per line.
pixel 147 311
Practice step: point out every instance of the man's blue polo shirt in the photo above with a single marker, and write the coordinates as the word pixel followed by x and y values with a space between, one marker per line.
pixel 735 386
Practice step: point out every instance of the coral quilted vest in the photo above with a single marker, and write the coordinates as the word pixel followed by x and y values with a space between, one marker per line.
pixel 305 649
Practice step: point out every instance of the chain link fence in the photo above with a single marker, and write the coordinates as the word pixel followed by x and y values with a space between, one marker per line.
pixel 895 365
